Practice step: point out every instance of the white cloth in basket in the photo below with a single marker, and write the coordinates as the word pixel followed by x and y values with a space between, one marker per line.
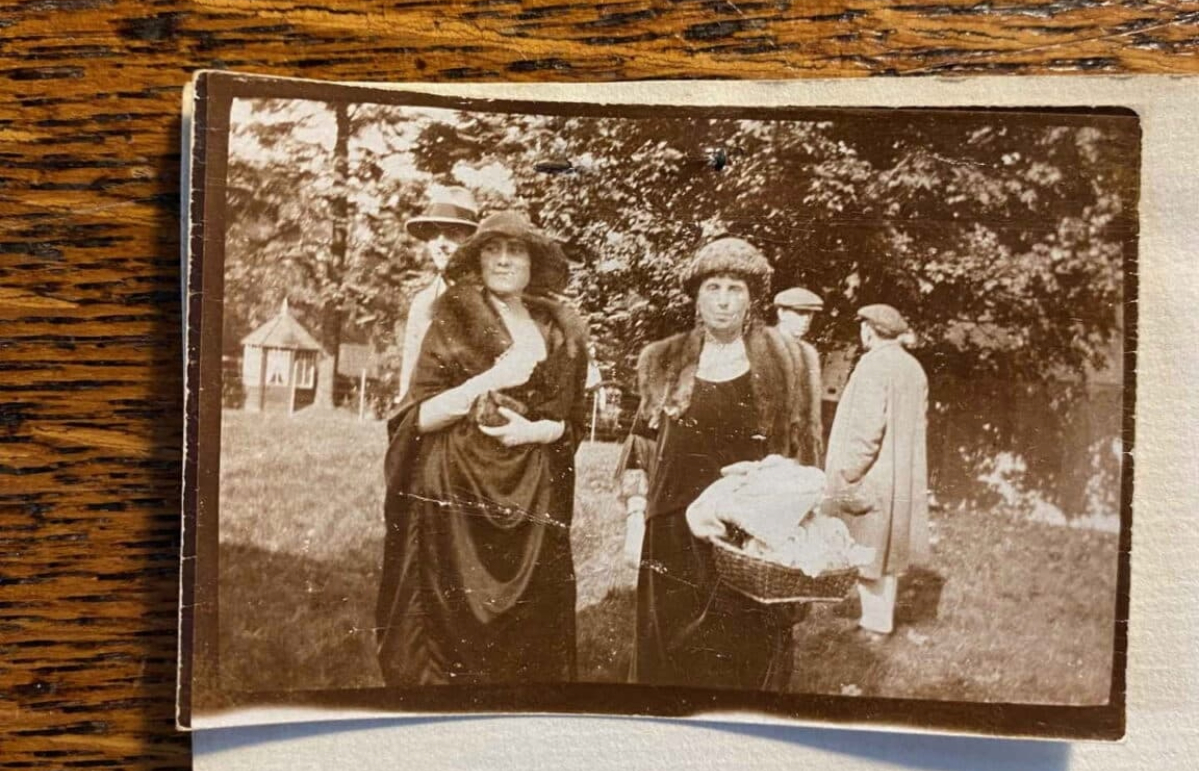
pixel 768 499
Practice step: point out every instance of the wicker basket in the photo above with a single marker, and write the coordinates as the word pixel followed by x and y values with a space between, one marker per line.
pixel 770 583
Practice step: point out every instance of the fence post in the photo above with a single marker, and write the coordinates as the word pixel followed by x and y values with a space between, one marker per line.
pixel 594 411
pixel 362 395
pixel 295 376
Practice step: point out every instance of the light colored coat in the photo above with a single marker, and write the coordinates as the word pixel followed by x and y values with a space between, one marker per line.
pixel 420 316
pixel 877 452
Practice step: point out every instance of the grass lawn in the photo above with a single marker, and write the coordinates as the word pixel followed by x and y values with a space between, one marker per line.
pixel 1026 612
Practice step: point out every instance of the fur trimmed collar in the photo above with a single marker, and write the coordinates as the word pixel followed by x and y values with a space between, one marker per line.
pixel 666 375
pixel 464 312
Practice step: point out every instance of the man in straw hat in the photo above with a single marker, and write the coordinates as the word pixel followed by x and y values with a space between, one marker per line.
pixel 877 469
pixel 795 308
pixel 450 218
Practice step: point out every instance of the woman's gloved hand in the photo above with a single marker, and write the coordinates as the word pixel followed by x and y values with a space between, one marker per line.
pixel 520 430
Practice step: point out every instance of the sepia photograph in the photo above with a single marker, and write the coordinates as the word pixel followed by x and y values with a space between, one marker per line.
pixel 533 406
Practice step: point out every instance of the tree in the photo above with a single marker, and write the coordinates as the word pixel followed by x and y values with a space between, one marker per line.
pixel 315 215
pixel 1001 236
pixel 279 219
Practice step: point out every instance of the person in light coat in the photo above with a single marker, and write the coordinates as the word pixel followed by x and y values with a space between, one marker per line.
pixel 877 467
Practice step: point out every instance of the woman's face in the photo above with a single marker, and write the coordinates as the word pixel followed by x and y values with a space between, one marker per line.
pixel 723 303
pixel 504 263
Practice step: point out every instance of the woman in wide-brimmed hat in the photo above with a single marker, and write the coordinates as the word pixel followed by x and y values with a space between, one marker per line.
pixel 729 390
pixel 478 584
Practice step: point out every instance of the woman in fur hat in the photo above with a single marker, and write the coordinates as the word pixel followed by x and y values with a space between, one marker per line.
pixel 729 390
pixel 478 584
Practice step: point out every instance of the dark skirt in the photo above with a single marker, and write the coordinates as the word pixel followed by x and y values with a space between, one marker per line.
pixel 478 580
pixel 692 629
pixel 435 637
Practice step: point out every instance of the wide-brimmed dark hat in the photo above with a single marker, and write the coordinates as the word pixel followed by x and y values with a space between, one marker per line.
pixel 548 271
pixel 732 256
pixel 448 207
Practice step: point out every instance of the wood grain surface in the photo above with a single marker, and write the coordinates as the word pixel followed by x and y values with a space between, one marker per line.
pixel 90 392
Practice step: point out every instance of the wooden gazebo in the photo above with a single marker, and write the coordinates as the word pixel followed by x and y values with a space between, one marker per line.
pixel 279 365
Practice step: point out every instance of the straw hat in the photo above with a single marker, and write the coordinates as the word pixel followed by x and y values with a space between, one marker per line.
pixel 448 207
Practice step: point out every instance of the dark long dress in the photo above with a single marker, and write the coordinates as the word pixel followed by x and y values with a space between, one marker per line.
pixel 478 582
pixel 691 628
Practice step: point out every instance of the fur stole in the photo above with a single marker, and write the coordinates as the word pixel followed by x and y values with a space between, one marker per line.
pixel 473 328
pixel 778 374
pixel 466 335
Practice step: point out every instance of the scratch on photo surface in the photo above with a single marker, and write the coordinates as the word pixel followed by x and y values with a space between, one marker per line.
pixel 482 508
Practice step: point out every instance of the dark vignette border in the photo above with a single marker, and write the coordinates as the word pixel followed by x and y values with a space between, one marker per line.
pixel 215 92
pixel 192 241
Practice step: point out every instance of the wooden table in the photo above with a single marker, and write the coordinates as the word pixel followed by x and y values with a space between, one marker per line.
pixel 89 263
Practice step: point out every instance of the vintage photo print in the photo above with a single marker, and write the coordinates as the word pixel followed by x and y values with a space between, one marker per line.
pixel 679 410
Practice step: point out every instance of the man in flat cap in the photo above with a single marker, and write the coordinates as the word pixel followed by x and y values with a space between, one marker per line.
pixel 877 468
pixel 795 308
pixel 450 218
